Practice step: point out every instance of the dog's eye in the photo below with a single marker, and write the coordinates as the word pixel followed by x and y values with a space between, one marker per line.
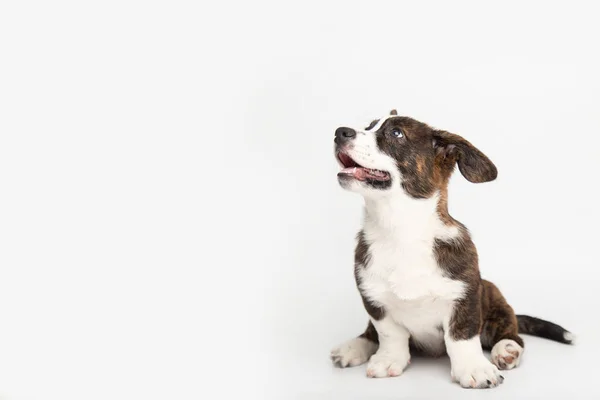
pixel 397 133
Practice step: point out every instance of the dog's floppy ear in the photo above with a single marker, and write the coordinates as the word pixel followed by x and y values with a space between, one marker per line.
pixel 472 163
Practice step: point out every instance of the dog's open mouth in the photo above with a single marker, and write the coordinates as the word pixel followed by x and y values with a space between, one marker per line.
pixel 353 169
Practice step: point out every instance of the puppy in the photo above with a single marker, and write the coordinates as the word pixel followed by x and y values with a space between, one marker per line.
pixel 416 266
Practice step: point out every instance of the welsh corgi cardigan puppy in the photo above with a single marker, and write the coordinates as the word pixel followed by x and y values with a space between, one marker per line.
pixel 416 266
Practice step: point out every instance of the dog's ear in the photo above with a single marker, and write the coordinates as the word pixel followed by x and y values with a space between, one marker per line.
pixel 394 112
pixel 472 163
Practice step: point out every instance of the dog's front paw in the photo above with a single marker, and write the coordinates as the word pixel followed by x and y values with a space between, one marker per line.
pixel 384 364
pixel 477 373
pixel 352 353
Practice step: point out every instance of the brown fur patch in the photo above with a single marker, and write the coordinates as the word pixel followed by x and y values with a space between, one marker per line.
pixel 444 166
pixel 500 319
pixel 442 208
pixel 420 164
pixel 361 259
pixel 458 259
pixel 483 310
pixel 475 166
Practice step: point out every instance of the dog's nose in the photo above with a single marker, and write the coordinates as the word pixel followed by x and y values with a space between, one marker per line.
pixel 344 133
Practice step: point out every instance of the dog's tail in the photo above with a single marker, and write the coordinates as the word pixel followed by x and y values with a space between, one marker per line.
pixel 549 330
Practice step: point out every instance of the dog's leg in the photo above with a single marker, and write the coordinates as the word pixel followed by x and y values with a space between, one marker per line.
pixel 356 351
pixel 500 331
pixel 393 354
pixel 470 367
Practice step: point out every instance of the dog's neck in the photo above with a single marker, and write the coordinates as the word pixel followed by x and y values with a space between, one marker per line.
pixel 400 217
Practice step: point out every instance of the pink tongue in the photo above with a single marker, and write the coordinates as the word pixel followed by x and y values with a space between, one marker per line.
pixel 358 173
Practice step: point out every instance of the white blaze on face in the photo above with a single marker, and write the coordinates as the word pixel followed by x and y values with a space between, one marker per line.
pixel 380 123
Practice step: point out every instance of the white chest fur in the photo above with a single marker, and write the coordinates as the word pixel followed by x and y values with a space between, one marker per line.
pixel 402 274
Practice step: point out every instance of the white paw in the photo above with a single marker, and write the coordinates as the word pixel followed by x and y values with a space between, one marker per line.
pixel 476 373
pixel 506 354
pixel 352 353
pixel 384 364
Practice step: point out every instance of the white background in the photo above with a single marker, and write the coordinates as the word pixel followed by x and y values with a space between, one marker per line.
pixel 170 220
